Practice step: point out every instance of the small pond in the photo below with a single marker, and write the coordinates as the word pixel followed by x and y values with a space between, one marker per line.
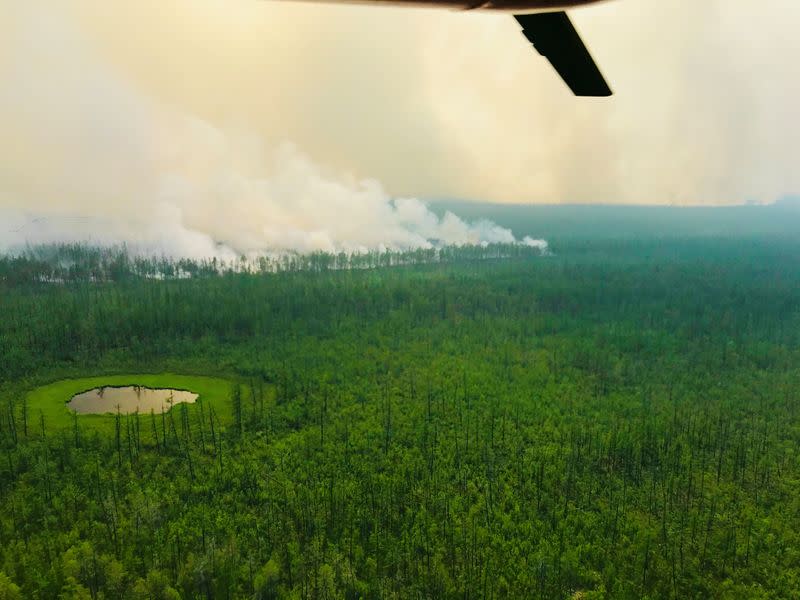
pixel 128 399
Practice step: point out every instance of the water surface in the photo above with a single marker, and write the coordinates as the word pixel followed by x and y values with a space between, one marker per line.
pixel 128 399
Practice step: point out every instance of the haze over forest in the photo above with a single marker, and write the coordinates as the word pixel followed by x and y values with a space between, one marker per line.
pixel 583 384
pixel 216 128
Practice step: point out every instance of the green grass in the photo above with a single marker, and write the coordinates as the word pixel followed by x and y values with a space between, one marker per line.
pixel 51 400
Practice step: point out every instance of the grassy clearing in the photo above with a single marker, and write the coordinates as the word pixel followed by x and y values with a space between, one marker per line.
pixel 50 401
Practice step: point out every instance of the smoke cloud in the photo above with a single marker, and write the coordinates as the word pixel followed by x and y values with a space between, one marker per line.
pixel 160 122
pixel 89 157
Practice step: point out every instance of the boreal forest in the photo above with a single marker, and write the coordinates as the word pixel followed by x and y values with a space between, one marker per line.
pixel 613 418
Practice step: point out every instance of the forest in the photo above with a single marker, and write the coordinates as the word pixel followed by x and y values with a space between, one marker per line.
pixel 610 419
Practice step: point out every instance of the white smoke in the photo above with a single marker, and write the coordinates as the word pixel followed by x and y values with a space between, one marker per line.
pixel 87 157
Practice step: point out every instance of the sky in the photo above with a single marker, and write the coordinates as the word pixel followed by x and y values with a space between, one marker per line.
pixel 261 125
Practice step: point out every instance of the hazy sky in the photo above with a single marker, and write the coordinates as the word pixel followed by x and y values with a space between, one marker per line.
pixel 242 117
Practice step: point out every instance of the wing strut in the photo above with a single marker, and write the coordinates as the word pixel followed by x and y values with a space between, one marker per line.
pixel 554 36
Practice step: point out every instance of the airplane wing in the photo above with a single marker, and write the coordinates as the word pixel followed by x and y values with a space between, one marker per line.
pixel 553 35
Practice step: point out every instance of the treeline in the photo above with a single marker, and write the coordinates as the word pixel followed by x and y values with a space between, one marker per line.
pixel 743 307
pixel 71 263
pixel 623 428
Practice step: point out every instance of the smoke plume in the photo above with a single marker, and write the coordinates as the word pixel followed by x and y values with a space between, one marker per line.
pixel 88 157
pixel 162 121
